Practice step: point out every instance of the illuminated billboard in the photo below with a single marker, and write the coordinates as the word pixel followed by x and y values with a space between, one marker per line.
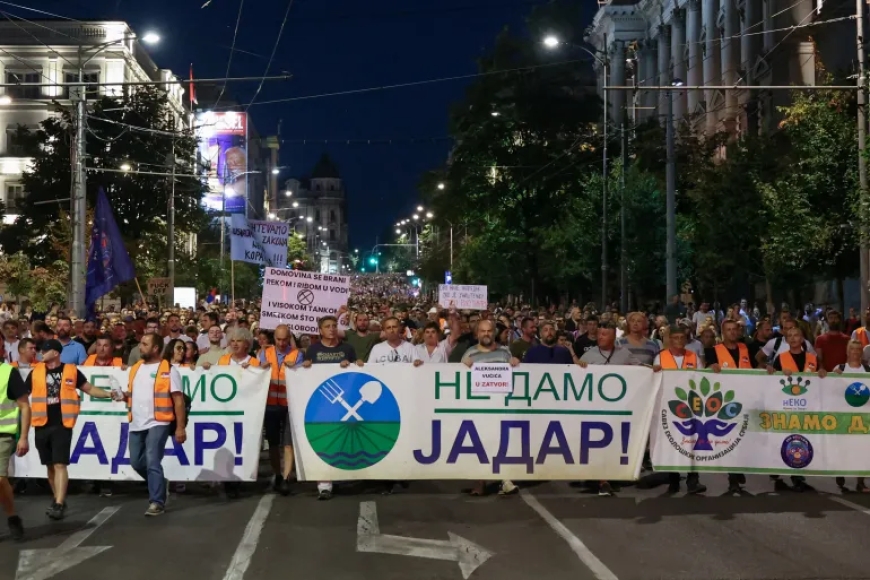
pixel 223 143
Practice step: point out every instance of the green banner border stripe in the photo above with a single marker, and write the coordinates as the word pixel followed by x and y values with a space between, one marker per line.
pixel 532 412
pixel 784 471
pixel 761 372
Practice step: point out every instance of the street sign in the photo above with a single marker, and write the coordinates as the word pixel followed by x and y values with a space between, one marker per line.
pixel 448 277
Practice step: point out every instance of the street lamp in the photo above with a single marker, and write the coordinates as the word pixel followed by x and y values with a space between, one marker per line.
pixel 272 216
pixel 552 41
pixel 288 193
pixel 295 204
pixel 441 185
pixel 276 171
pixel 429 215
pixel 309 219
pixel 5 100
pixel 398 231
pixel 419 208
pixel 125 167
pixel 151 37
pixel 415 216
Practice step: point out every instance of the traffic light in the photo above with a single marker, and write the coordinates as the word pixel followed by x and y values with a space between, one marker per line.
pixel 373 261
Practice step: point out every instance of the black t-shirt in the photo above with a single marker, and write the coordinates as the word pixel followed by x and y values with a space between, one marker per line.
pixel 711 359
pixel 754 346
pixel 53 379
pixel 15 389
pixel 799 359
pixel 319 353
pixel 85 343
pixel 583 343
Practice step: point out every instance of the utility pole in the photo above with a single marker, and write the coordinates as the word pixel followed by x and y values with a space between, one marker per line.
pixel 862 163
pixel 623 275
pixel 671 203
pixel 171 224
pixel 78 205
pixel 606 65
pixel 223 231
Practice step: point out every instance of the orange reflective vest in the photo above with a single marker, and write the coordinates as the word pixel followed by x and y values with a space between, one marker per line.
pixel 669 361
pixel 227 359
pixel 91 361
pixel 70 402
pixel 863 338
pixel 278 386
pixel 787 362
pixel 726 361
pixel 163 409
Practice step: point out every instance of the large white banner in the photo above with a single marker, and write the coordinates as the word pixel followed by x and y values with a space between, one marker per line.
pixel 400 422
pixel 752 422
pixel 299 299
pixel 223 431
pixel 259 242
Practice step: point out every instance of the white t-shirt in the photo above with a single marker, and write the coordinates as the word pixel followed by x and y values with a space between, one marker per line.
pixel 657 361
pixel 247 359
pixel 203 343
pixel 24 370
pixel 767 349
pixel 12 351
pixel 439 354
pixel 384 353
pixel 143 395
pixel 850 369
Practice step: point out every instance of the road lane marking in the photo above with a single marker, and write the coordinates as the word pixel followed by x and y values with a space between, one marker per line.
pixel 457 549
pixel 849 504
pixel 44 563
pixel 586 556
pixel 248 544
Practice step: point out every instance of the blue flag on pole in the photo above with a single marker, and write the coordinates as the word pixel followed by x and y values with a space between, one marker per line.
pixel 109 263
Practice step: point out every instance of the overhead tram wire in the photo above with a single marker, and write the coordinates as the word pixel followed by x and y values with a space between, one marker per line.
pixel 272 56
pixel 232 52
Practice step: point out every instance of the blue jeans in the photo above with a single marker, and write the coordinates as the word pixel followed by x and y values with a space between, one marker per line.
pixel 146 457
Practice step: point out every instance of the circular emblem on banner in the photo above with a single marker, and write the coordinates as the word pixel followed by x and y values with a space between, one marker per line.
pixel 305 297
pixel 352 421
pixel 857 394
pixel 797 451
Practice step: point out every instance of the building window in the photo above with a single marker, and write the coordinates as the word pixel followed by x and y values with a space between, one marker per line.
pixel 317 187
pixel 317 215
pixel 332 215
pixel 331 235
pixel 14 148
pixel 14 195
pixel 23 92
pixel 91 91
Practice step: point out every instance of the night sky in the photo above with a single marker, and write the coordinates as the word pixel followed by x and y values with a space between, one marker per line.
pixel 329 46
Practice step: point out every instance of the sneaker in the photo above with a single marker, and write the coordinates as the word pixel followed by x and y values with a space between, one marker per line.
pixel 695 487
pixel 155 509
pixel 674 487
pixel 508 488
pixel 801 486
pixel 106 490
pixel 180 487
pixel 735 489
pixel 324 494
pixel 605 489
pixel 284 487
pixel 276 483
pixel 16 528
pixel 387 488
pixel 20 487
pixel 841 482
pixel 57 511
pixel 780 485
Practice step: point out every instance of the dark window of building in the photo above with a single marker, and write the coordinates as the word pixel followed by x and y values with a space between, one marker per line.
pixel 23 92
pixel 317 215
pixel 331 235
pixel 13 147
pixel 91 91
pixel 332 215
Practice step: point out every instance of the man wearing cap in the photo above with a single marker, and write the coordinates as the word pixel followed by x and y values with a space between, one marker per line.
pixel 55 403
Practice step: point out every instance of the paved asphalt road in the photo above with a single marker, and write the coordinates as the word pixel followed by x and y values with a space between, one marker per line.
pixel 551 531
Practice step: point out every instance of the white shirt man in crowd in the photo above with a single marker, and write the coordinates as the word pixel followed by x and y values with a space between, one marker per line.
pixel 10 332
pixel 155 404
pixel 173 324
pixel 432 350
pixel 215 351
pixel 394 348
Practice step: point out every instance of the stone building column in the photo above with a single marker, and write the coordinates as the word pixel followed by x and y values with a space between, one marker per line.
pixel 678 56
pixel 710 14
pixel 695 69
pixel 651 77
pixel 616 58
pixel 730 66
pixel 664 69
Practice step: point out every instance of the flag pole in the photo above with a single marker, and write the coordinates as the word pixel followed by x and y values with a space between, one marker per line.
pixel 233 279
pixel 140 288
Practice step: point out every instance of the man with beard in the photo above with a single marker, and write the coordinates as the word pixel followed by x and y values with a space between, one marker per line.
pixel 832 345
pixel 88 336
pixel 548 352
pixel 361 338
pixel 173 325
pixel 73 352
pixel 488 351
pixel 394 348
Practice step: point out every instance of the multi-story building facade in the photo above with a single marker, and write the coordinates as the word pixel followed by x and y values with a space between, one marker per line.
pixel 716 43
pixel 316 208
pixel 48 52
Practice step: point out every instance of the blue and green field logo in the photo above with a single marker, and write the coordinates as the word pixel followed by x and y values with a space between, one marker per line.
pixel 352 421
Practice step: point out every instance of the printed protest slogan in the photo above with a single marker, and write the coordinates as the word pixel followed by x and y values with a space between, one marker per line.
pixel 299 299
pixel 399 422
pixel 752 422
pixel 223 432
pixel 462 297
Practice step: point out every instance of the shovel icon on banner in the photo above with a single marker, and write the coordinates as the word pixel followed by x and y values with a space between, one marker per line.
pixel 369 393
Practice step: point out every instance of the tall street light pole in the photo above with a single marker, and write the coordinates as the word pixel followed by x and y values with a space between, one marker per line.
pixel 671 200
pixel 862 162
pixel 553 42
pixel 78 195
